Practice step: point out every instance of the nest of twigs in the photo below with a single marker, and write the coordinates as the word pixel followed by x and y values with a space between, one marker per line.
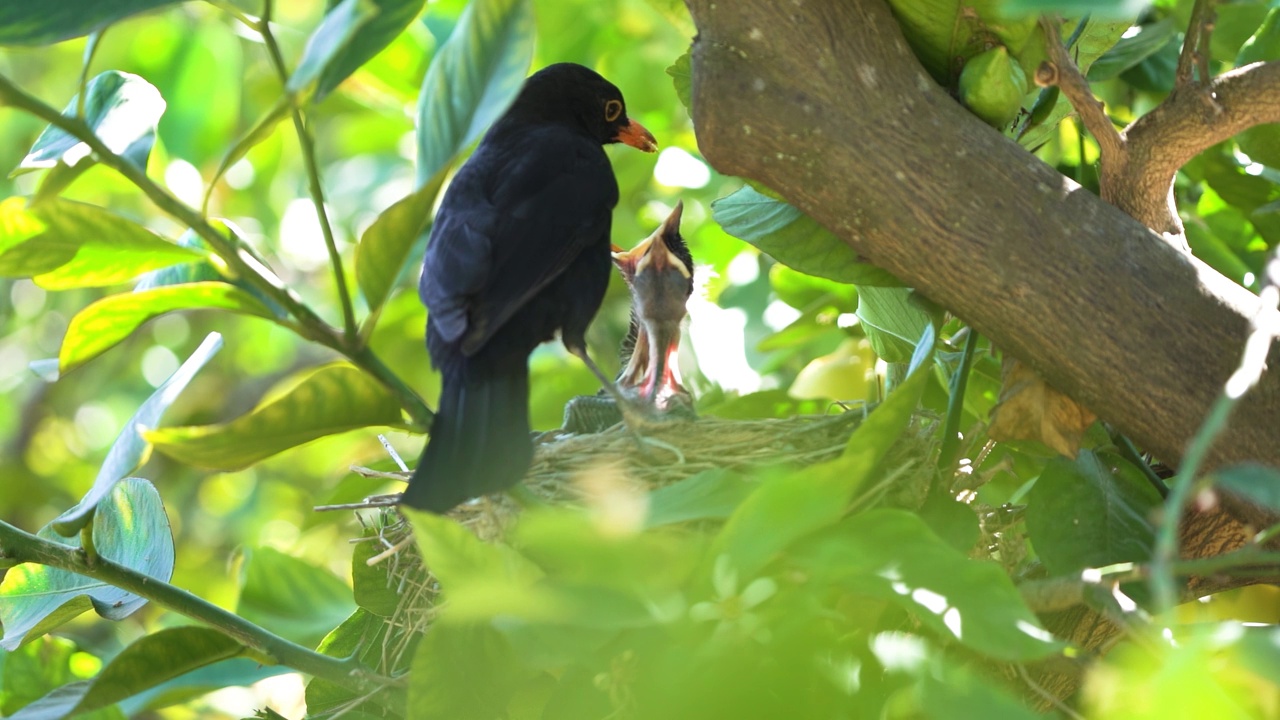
pixel 566 468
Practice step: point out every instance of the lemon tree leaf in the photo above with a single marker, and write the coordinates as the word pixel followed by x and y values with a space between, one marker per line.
pixel 474 75
pixel 103 324
pixel 129 528
pixel 322 401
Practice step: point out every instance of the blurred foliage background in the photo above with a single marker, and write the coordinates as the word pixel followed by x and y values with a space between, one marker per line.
pixel 764 340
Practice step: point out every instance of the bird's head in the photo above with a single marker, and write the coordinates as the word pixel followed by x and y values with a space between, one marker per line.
pixel 579 96
pixel 663 251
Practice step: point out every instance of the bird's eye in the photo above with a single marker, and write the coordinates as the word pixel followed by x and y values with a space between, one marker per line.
pixel 612 110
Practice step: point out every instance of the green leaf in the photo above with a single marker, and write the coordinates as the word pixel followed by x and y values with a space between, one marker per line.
pixel 121 109
pixel 60 701
pixel 391 18
pixel 1259 650
pixel 295 600
pixel 682 77
pixel 1050 107
pixel 467 672
pixel 1114 9
pixel 1090 512
pixel 33 670
pixel 129 528
pixel 945 34
pixel 130 450
pixel 261 130
pixel 456 556
pixel 80 246
pixel 923 351
pixel 385 247
pixel 1258 483
pixel 322 401
pixel 892 554
pixel 581 550
pixel 952 692
pixel 33 23
pixel 336 31
pixel 210 267
pixel 1233 25
pixel 236 672
pixel 154 659
pixel 708 495
pixel 803 291
pixel 374 587
pixel 892 322
pixel 474 75
pixel 17 225
pixel 364 636
pixel 1133 49
pixel 954 522
pixel 790 506
pixel 110 320
pixel 764 404
pixel 793 238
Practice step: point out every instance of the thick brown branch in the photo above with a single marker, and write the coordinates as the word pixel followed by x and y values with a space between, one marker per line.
pixel 1183 126
pixel 1076 89
pixel 830 108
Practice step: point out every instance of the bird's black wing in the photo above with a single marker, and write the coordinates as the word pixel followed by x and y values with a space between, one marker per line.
pixel 517 215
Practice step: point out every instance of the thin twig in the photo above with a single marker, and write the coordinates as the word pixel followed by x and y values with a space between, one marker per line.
pixel 1062 71
pixel 1046 695
pixel 1195 46
pixel 308 147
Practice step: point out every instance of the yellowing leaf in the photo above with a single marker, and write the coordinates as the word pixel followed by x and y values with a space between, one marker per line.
pixel 1030 409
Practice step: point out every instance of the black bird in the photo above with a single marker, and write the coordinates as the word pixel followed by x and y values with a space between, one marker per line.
pixel 659 271
pixel 519 250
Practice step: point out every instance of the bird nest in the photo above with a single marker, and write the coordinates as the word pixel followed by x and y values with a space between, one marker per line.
pixel 569 469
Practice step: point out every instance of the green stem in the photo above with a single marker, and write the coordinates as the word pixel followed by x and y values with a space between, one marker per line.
pixel 1166 550
pixel 308 147
pixel 235 12
pixel 240 262
pixel 955 407
pixel 1129 452
pixel 90 49
pixel 21 546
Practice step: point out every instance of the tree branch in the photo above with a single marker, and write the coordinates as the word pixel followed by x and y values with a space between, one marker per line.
pixel 307 147
pixel 1195 46
pixel 23 547
pixel 242 263
pixel 871 148
pixel 1062 71
pixel 1183 126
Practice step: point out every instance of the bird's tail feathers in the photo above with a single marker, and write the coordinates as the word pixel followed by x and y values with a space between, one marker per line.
pixel 479 439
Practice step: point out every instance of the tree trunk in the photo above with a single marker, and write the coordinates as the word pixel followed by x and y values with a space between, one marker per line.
pixel 825 103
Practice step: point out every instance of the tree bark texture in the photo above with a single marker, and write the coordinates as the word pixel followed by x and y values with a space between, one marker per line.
pixel 825 103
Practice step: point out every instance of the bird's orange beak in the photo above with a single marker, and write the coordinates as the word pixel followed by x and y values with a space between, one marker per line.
pixel 637 137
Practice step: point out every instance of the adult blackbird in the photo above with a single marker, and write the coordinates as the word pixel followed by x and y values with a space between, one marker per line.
pixel 659 271
pixel 519 250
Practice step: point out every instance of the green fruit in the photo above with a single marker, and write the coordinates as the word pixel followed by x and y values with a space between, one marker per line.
pixel 992 85
pixel 1262 143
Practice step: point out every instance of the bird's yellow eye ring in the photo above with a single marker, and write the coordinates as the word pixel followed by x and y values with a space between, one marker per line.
pixel 612 109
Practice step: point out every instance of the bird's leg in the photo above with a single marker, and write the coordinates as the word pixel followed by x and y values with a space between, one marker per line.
pixel 631 417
